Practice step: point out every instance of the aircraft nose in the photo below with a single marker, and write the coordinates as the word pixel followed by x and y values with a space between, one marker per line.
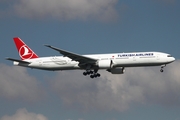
pixel 173 59
pixel 170 58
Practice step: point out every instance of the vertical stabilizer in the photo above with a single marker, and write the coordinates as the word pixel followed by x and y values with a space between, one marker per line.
pixel 24 51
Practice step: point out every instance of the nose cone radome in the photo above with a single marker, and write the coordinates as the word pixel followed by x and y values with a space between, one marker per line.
pixel 173 59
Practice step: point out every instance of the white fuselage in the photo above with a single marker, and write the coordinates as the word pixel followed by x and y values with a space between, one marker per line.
pixel 135 59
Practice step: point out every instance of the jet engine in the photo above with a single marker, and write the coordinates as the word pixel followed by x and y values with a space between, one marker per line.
pixel 104 64
pixel 116 70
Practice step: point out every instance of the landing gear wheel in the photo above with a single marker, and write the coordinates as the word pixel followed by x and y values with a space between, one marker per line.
pixel 95 75
pixel 84 73
pixel 98 75
pixel 161 70
pixel 92 76
pixel 91 72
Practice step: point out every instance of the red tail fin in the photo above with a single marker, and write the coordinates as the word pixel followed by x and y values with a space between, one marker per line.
pixel 24 51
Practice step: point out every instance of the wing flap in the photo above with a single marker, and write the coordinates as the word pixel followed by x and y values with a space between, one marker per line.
pixel 16 60
pixel 74 56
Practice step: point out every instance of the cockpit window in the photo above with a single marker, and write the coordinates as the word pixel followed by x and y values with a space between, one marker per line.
pixel 169 56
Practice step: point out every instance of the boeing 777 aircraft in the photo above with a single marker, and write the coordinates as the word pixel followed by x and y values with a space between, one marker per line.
pixel 114 63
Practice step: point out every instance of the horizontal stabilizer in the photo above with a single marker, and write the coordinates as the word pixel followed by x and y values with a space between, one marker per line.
pixel 16 60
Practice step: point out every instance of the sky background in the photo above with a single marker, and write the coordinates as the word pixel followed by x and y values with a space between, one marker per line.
pixel 88 27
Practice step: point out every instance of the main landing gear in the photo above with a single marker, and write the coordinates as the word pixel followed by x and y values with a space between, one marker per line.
pixel 93 74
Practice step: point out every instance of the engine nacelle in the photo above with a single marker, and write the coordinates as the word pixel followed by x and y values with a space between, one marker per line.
pixel 116 70
pixel 104 64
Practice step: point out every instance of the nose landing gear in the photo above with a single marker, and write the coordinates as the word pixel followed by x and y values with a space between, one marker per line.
pixel 161 70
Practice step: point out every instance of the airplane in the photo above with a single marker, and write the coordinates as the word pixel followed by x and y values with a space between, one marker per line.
pixel 114 63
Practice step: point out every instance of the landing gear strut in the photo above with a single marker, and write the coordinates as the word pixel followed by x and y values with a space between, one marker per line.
pixel 93 74
pixel 161 70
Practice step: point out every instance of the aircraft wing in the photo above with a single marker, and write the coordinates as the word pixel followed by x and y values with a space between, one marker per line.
pixel 76 57
pixel 16 60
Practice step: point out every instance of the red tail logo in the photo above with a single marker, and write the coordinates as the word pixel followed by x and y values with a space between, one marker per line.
pixel 24 51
